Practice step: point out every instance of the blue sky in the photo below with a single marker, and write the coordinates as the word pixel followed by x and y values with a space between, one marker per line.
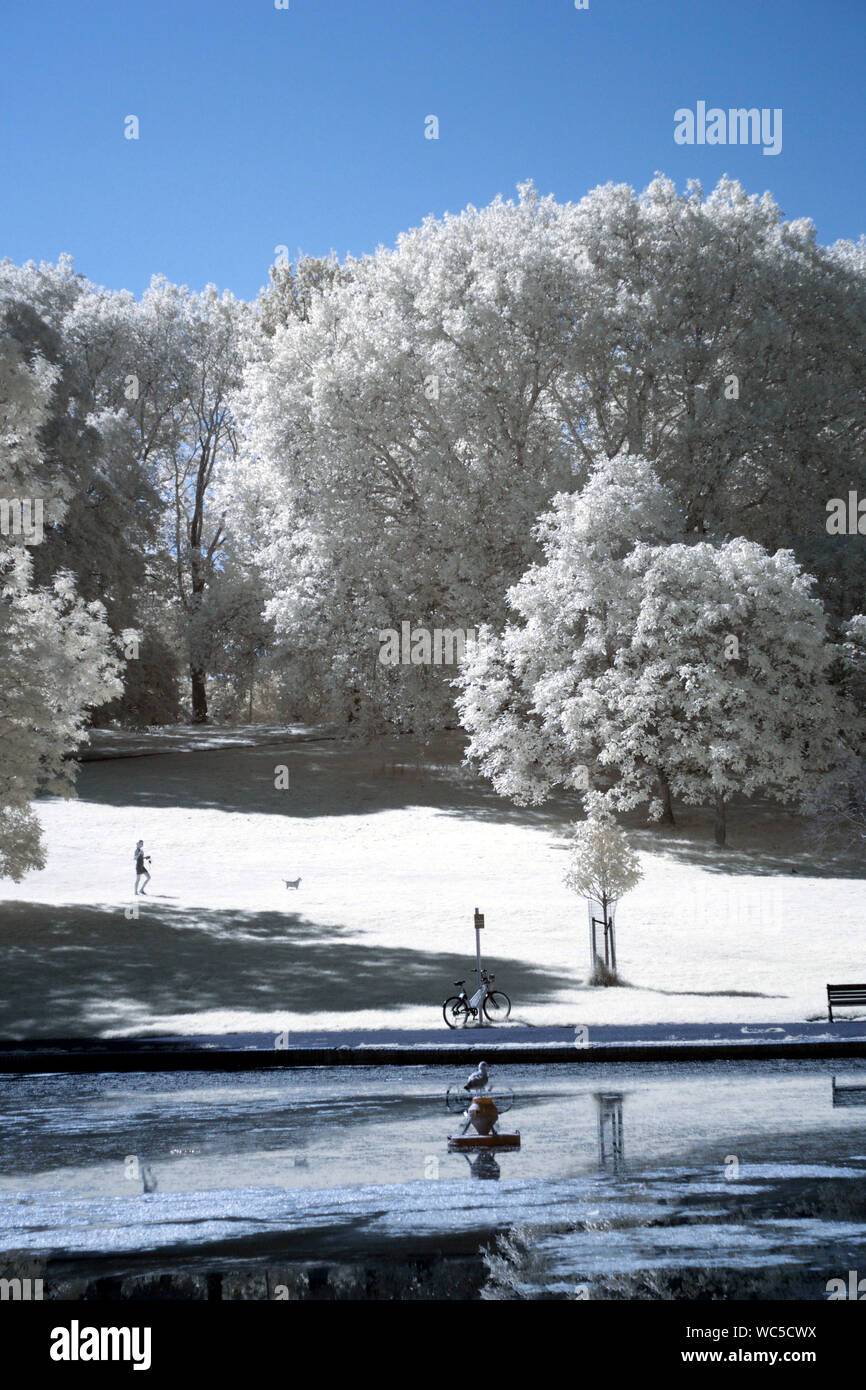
pixel 305 127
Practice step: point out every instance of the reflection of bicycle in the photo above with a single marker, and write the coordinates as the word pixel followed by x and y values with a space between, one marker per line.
pixel 460 1010
pixel 458 1100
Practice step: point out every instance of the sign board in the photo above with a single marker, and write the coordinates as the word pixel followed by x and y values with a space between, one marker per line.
pixel 479 919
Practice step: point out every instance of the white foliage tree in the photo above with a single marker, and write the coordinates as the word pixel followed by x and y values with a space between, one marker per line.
pixel 838 805
pixel 403 436
pixel 664 669
pixel 56 652
pixel 190 353
pixel 412 412
pixel 724 685
pixel 229 638
pixel 725 344
pixel 530 696
pixel 59 661
pixel 602 867
pixel 94 466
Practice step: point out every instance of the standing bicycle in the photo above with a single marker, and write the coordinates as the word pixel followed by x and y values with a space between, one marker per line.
pixel 460 1010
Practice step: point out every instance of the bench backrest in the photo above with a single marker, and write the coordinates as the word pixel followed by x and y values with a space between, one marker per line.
pixel 839 994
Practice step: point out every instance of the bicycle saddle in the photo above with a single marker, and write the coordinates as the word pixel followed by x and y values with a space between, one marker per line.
pixel 460 982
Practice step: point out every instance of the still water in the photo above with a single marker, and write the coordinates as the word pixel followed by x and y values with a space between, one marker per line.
pixel 647 1173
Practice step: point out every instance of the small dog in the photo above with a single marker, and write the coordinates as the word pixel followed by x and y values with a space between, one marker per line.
pixel 292 882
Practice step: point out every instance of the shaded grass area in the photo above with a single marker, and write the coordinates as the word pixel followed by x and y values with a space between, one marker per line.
pixel 346 777
pixel 338 777
pixel 96 971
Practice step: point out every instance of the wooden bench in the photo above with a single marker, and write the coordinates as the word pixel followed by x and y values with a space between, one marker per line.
pixel 844 996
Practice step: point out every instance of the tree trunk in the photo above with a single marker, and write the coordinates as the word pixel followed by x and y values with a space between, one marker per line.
pixel 199 695
pixel 721 824
pixel 667 816
pixel 354 710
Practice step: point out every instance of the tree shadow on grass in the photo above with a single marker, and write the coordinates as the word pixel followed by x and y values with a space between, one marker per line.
pixel 338 777
pixel 88 971
pixel 764 840
pixel 342 777
pixel 708 993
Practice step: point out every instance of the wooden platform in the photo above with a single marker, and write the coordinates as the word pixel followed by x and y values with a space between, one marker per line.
pixel 484 1141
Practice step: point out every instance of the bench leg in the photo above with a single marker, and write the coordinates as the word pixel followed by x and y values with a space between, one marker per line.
pixel 830 1011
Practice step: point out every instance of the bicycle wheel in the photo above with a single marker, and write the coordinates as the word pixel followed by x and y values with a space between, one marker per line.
pixel 497 1006
pixel 455 1011
pixel 457 1100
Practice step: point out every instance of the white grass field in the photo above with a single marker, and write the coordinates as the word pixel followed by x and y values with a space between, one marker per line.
pixel 394 850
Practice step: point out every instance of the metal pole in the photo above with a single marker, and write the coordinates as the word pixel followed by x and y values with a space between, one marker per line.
pixel 479 923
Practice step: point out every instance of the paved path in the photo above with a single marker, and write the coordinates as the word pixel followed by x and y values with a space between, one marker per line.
pixel 522 1034
pixel 614 1043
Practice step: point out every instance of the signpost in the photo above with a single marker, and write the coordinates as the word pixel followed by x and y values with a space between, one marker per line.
pixel 479 923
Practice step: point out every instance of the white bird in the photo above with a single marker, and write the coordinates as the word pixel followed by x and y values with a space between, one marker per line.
pixel 478 1081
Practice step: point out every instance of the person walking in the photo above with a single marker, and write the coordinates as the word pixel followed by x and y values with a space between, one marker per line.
pixel 140 871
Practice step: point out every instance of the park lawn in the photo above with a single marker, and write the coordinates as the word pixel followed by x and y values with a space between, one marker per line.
pixel 395 848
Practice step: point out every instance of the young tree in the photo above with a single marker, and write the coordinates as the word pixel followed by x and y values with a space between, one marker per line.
pixel 838 807
pixel 602 866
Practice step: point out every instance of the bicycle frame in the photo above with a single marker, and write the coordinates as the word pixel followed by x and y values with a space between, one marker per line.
pixel 475 1003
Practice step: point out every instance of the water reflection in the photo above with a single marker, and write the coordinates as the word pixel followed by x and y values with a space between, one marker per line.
pixel 357 1126
pixel 848 1095
pixel 611 1143
pixel 480 1138
pixel 483 1165
pixel 239 1156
